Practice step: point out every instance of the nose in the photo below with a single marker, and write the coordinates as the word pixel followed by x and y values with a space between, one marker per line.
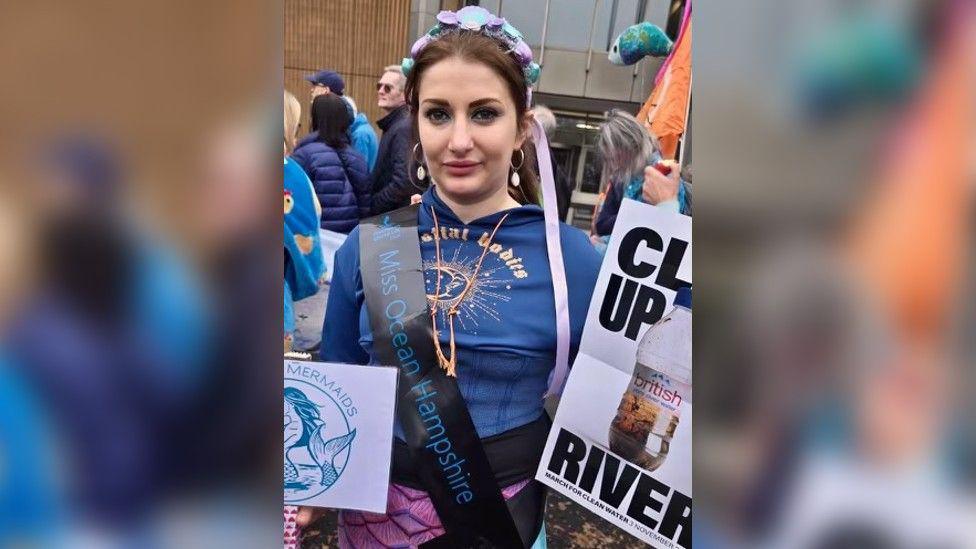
pixel 461 141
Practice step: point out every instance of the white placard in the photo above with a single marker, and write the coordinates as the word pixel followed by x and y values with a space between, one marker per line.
pixel 338 432
pixel 648 258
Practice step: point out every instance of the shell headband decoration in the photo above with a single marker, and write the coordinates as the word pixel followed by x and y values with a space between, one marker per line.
pixel 480 20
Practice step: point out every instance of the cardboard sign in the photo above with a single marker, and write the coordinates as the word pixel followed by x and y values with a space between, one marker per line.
pixel 647 260
pixel 338 432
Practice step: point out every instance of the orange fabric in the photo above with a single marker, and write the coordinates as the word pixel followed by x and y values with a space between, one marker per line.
pixel 909 242
pixel 664 111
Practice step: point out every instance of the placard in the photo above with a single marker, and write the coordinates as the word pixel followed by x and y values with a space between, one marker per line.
pixel 648 259
pixel 338 434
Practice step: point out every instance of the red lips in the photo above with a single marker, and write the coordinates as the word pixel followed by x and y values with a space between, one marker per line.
pixel 663 168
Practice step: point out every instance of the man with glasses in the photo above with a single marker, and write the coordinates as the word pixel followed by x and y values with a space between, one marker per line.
pixel 390 183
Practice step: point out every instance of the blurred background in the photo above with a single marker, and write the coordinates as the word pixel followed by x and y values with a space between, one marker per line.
pixel 836 163
pixel 139 327
pixel 569 38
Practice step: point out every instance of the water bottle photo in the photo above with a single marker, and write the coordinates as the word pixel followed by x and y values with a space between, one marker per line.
pixel 649 410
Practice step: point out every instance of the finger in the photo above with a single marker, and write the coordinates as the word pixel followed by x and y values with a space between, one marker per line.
pixel 675 169
pixel 649 172
pixel 652 175
pixel 307 515
pixel 304 516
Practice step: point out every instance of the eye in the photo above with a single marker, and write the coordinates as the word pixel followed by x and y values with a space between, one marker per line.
pixel 485 115
pixel 614 47
pixel 437 116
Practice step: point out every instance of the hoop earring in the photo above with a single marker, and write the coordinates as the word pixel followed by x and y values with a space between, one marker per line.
pixel 421 170
pixel 516 180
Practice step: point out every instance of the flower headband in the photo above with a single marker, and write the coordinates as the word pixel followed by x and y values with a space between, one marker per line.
pixel 478 19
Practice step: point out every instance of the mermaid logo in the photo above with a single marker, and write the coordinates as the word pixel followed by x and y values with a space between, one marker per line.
pixel 313 461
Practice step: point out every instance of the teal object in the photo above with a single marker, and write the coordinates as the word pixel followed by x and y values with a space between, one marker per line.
pixel 638 41
pixel 865 59
pixel 531 73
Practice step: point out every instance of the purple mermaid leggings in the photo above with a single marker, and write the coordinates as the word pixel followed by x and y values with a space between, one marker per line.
pixel 410 520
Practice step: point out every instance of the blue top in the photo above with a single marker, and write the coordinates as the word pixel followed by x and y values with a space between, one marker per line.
pixel 506 331
pixel 363 139
pixel 304 262
pixel 29 503
pixel 683 298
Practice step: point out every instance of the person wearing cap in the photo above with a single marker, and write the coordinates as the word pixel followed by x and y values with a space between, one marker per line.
pixel 389 180
pixel 326 82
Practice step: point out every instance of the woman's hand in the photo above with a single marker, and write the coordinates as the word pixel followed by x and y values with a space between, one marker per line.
pixel 308 515
pixel 415 199
pixel 659 187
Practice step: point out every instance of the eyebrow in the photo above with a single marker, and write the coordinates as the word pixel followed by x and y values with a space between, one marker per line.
pixel 476 103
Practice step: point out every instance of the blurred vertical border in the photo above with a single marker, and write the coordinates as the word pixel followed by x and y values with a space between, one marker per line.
pixel 835 170
pixel 140 290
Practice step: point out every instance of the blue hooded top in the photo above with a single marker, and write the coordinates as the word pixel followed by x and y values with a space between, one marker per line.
pixel 304 262
pixel 505 333
pixel 363 139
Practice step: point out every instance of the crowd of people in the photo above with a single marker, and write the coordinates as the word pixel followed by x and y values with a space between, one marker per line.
pixel 460 138
pixel 355 174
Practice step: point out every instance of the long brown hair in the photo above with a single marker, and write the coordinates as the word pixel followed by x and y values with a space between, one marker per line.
pixel 472 47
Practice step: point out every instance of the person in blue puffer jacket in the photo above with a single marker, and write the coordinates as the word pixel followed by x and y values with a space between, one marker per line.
pixel 338 172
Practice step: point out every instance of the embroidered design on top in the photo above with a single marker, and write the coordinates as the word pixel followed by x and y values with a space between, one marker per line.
pixel 507 255
pixel 483 297
pixel 490 288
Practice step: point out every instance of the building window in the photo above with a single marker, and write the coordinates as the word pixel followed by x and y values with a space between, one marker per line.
pixel 525 15
pixel 612 17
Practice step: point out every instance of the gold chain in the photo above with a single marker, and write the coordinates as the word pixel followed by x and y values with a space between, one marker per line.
pixel 450 364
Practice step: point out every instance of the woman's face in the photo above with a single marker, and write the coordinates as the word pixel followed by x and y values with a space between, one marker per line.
pixel 468 129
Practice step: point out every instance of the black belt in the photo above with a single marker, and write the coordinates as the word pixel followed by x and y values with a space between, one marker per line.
pixel 514 455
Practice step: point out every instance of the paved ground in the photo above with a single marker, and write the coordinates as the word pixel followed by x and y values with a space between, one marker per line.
pixel 567 524
pixel 309 313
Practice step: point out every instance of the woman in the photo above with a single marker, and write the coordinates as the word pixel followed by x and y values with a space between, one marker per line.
pixel 304 262
pixel 629 155
pixel 337 170
pixel 487 276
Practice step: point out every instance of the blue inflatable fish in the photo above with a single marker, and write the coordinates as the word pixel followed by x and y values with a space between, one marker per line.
pixel 638 41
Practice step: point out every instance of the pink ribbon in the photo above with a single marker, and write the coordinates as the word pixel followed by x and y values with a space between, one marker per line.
pixel 555 253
